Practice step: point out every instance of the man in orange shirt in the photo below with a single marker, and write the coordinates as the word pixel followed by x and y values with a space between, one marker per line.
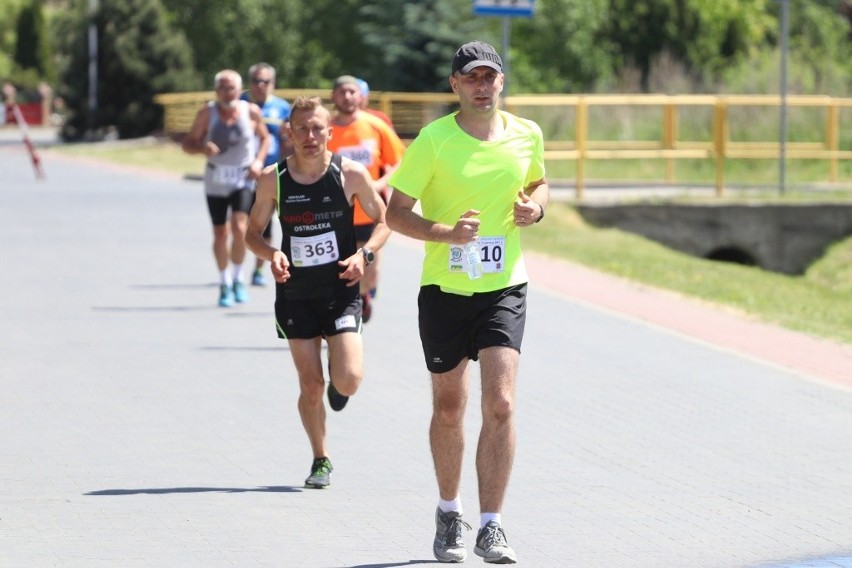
pixel 365 103
pixel 362 137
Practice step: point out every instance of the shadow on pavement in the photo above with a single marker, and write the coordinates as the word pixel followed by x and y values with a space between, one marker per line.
pixel 154 308
pixel 167 490
pixel 392 564
pixel 172 286
pixel 826 562
pixel 244 348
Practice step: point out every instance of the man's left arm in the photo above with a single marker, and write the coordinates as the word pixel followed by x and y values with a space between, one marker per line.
pixel 531 202
pixel 359 183
pixel 539 192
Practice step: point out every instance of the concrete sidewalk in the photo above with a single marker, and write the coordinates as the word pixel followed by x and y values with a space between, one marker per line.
pixel 140 425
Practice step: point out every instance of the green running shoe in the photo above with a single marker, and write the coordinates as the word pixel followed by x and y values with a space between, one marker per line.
pixel 320 476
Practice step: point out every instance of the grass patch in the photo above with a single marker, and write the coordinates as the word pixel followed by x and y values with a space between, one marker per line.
pixel 147 153
pixel 819 302
pixel 749 173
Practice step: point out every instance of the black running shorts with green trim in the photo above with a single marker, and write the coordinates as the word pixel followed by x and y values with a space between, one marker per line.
pixel 453 326
pixel 306 318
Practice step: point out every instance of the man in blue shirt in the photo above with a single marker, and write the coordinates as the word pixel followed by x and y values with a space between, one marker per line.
pixel 276 115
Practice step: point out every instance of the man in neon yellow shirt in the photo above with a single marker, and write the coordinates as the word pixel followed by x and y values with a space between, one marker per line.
pixel 479 176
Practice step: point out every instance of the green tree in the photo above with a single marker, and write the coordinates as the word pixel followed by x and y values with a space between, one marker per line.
pixel 411 43
pixel 394 45
pixel 238 34
pixel 140 55
pixel 330 44
pixel 705 36
pixel 9 10
pixel 562 49
pixel 818 39
pixel 32 45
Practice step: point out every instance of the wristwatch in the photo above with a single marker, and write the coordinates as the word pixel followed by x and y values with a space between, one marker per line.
pixel 540 206
pixel 369 256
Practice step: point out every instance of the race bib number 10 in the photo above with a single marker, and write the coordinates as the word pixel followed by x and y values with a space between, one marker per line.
pixel 313 251
pixel 491 252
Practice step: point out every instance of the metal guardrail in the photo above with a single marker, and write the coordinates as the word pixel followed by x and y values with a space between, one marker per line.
pixel 411 111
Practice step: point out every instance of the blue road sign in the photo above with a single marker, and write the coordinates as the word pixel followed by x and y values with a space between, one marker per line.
pixel 511 8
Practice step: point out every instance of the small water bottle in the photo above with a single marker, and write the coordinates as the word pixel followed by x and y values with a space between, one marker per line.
pixel 472 260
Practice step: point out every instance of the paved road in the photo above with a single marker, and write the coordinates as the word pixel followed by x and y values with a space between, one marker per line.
pixel 140 425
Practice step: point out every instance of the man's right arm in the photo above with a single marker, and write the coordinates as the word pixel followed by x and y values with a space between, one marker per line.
pixel 261 212
pixel 193 143
pixel 401 218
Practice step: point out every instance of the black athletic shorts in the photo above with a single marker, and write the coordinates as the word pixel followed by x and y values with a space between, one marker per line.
pixel 316 317
pixel 453 327
pixel 238 200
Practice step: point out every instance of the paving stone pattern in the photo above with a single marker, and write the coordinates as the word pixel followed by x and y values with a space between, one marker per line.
pixel 141 425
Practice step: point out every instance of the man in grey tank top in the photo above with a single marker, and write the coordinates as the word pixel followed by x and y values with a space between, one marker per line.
pixel 232 135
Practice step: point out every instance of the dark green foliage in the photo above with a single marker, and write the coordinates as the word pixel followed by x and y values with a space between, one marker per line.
pixel 563 49
pixel 404 46
pixel 139 56
pixel 331 43
pixel 32 45
pixel 238 34
pixel 704 36
pixel 569 46
pixel 411 44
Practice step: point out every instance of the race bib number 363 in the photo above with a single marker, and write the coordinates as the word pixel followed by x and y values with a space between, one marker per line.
pixel 313 251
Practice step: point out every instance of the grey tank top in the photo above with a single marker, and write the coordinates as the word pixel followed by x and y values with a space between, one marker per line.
pixel 227 171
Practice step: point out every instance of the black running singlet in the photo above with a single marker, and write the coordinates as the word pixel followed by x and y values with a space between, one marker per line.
pixel 317 232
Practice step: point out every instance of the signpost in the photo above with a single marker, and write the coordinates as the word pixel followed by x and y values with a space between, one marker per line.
pixel 506 9
pixel 93 64
pixel 782 134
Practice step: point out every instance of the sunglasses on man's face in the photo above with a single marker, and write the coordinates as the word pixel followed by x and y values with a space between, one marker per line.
pixel 261 81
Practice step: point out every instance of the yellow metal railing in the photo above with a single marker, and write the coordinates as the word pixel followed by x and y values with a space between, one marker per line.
pixel 411 111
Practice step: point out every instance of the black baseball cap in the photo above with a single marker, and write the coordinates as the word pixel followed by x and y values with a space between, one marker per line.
pixel 476 54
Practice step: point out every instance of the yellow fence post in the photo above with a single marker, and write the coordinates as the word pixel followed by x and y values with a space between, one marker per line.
pixel 720 139
pixel 669 136
pixel 582 131
pixel 832 138
pixel 385 104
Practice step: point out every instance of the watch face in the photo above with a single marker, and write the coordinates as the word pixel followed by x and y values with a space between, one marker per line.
pixel 368 255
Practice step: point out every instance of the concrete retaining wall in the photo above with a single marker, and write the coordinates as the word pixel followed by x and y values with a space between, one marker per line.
pixel 781 238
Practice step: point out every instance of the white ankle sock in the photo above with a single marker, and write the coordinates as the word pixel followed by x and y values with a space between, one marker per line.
pixel 484 518
pixel 447 506
pixel 225 278
pixel 238 273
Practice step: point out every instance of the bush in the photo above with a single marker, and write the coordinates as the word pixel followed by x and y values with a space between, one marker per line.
pixel 140 56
